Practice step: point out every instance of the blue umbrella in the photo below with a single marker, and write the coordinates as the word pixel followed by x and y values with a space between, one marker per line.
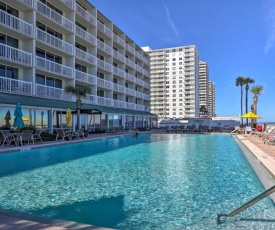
pixel 18 121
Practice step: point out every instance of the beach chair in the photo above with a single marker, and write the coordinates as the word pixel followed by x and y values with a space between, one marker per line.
pixel 8 139
pixel 27 137
pixel 37 135
pixel 60 133
pixel 78 134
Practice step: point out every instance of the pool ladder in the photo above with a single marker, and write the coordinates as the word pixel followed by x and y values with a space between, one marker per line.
pixel 246 205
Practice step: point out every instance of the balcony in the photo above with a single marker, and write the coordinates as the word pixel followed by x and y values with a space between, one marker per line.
pixel 85 56
pixel 27 2
pixel 130 78
pixel 54 41
pixel 139 68
pixel 104 65
pixel 119 40
pixel 85 14
pixel 104 47
pixel 54 67
pixel 104 29
pixel 54 16
pixel 84 77
pixel 118 88
pixel 119 104
pixel 130 63
pixel 131 92
pixel 15 23
pixel 51 92
pixel 118 56
pixel 130 106
pixel 15 55
pixel 104 84
pixel 130 49
pixel 90 99
pixel 15 86
pixel 69 3
pixel 105 101
pixel 118 72
pixel 85 35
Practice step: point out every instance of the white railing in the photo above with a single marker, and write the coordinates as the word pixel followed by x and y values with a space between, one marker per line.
pixel 54 41
pixel 16 55
pixel 138 55
pixel 51 92
pixel 84 34
pixel 119 56
pixel 90 99
pixel 54 67
pixel 130 106
pixel 85 14
pixel 15 86
pixel 85 56
pixel 27 2
pixel 88 78
pixel 104 65
pixel 139 82
pixel 118 88
pixel 68 3
pixel 104 101
pixel 139 68
pixel 104 84
pixel 130 63
pixel 130 77
pixel 104 47
pixel 118 72
pixel 53 15
pixel 130 49
pixel 131 92
pixel 15 23
pixel 104 29
pixel 146 73
pixel 119 104
pixel 118 40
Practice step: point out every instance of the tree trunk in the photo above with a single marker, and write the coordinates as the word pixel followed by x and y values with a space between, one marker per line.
pixel 78 107
pixel 242 102
pixel 246 102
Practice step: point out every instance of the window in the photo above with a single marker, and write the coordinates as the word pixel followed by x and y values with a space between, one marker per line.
pixel 9 10
pixel 79 46
pixel 81 68
pixel 10 41
pixel 49 56
pixel 100 75
pixel 100 93
pixel 115 96
pixel 100 57
pixel 81 26
pixel 48 81
pixel 9 72
pixel 115 80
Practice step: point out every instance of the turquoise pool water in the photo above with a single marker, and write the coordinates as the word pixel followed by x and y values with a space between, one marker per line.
pixel 153 181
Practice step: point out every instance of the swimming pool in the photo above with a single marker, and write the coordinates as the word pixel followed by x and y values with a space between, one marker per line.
pixel 153 181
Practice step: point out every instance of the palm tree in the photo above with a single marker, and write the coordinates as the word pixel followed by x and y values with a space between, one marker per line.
pixel 203 110
pixel 80 92
pixel 240 82
pixel 256 90
pixel 247 81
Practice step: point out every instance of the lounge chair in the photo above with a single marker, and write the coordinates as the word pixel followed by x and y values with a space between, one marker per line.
pixel 27 137
pixel 79 133
pixel 4 138
pixel 37 135
pixel 60 133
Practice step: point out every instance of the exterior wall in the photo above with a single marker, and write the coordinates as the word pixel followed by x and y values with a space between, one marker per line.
pixel 211 100
pixel 62 43
pixel 203 85
pixel 174 82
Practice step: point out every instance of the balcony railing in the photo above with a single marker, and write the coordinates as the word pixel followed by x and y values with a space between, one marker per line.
pixel 104 65
pixel 88 78
pixel 51 92
pixel 130 63
pixel 105 101
pixel 15 23
pixel 119 56
pixel 87 36
pixel 118 88
pixel 54 41
pixel 15 55
pixel 130 77
pixel 119 104
pixel 118 40
pixel 54 67
pixel 130 49
pixel 131 92
pixel 85 14
pixel 119 72
pixel 104 47
pixel 27 2
pixel 68 3
pixel 15 86
pixel 58 18
pixel 104 84
pixel 130 106
pixel 85 56
pixel 104 29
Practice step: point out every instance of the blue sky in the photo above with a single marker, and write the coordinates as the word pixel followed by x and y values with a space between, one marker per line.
pixel 235 38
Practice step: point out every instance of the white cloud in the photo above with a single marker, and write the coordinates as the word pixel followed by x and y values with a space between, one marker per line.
pixel 269 10
pixel 170 21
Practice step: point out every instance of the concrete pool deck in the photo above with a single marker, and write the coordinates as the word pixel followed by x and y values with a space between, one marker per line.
pixel 265 155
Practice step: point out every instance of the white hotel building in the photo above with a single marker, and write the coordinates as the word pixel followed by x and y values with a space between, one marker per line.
pixel 46 45
pixel 174 82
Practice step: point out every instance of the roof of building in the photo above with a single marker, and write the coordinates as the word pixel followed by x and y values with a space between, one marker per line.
pixel 7 98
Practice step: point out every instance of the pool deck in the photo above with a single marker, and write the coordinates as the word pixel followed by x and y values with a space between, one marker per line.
pixel 264 153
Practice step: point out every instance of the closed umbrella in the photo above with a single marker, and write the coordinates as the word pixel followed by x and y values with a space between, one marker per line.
pixel 69 118
pixel 18 121
pixel 7 119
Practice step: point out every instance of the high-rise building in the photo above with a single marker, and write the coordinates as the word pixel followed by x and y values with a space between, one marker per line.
pixel 203 87
pixel 211 100
pixel 47 45
pixel 174 82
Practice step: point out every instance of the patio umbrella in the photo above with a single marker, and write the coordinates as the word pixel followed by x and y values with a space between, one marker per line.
pixel 69 118
pixel 25 118
pixel 18 121
pixel 250 115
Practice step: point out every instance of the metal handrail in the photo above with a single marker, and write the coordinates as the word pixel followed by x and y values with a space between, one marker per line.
pixel 246 205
